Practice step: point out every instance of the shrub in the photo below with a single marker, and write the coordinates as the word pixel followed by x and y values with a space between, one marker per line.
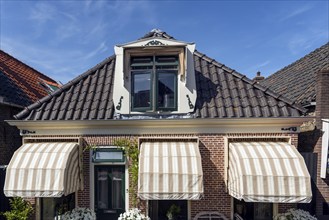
pixel 20 209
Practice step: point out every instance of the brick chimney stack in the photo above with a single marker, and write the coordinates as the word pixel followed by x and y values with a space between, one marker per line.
pixel 322 96
pixel 258 77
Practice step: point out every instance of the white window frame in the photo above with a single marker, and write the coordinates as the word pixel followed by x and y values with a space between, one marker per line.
pixel 324 150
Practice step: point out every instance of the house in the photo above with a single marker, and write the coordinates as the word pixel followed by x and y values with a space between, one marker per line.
pixel 297 81
pixel 20 86
pixel 306 82
pixel 211 141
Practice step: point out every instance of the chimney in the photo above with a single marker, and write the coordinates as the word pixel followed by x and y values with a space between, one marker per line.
pixel 322 96
pixel 258 77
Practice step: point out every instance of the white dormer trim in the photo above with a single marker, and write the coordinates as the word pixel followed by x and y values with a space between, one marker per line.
pixel 186 97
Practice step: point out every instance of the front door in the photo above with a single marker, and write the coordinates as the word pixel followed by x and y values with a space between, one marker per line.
pixel 109 191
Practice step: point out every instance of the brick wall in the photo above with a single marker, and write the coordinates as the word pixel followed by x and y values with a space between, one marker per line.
pixel 10 140
pixel 212 151
pixel 322 112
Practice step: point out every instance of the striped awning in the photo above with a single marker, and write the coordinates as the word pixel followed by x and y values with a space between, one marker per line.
pixel 268 172
pixel 170 171
pixel 43 170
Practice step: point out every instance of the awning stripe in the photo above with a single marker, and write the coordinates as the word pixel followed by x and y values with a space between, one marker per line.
pixel 43 170
pixel 170 170
pixel 268 172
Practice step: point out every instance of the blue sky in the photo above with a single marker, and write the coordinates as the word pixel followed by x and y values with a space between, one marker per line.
pixel 63 39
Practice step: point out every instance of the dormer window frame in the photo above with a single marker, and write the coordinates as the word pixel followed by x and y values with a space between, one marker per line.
pixel 186 86
pixel 156 68
pixel 178 51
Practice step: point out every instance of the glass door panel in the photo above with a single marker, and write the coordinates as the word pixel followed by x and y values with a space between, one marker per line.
pixel 109 191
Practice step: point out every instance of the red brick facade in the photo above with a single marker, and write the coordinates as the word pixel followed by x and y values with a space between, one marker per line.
pixel 322 112
pixel 10 140
pixel 211 147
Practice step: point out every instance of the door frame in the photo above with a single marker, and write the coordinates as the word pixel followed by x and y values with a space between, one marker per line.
pixel 92 180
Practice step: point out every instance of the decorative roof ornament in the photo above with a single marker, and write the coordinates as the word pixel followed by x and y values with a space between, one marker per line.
pixel 154 43
pixel 157 32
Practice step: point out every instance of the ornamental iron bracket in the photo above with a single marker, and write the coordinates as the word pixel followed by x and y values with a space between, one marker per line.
pixel 118 107
pixel 189 102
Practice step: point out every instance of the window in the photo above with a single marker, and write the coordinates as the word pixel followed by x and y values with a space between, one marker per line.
pixel 253 210
pixel 108 155
pixel 154 83
pixel 53 208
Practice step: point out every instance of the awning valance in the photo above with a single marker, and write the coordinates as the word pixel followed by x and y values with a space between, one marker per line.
pixel 170 171
pixel 268 172
pixel 43 170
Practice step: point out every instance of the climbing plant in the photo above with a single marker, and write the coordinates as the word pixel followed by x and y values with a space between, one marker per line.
pixel 131 151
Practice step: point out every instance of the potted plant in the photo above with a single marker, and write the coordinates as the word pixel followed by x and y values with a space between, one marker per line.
pixel 172 212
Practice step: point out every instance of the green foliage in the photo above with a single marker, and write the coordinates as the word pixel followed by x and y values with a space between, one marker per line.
pixel 20 209
pixel 131 151
pixel 173 211
pixel 89 147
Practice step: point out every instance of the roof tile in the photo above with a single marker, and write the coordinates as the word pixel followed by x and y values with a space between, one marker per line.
pixel 297 80
pixel 20 84
pixel 221 93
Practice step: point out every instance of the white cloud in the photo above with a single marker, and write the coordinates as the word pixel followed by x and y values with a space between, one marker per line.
pixel 258 67
pixel 306 40
pixel 59 65
pixel 296 12
pixel 42 12
pixel 101 48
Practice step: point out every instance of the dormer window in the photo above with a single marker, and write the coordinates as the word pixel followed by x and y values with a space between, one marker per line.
pixel 154 83
pixel 154 77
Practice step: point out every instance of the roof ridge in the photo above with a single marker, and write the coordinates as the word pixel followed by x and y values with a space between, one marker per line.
pixel 25 65
pixel 244 78
pixel 157 33
pixel 315 51
pixel 62 88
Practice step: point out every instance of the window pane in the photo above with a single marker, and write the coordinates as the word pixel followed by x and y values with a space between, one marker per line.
pixel 166 62
pixel 167 89
pixel 102 186
pixel 117 189
pixel 109 155
pixel 142 89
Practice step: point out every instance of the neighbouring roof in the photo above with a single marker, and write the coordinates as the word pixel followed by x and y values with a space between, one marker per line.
pixel 297 80
pixel 221 93
pixel 21 85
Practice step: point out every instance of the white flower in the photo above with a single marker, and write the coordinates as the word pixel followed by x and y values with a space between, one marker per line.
pixel 133 214
pixel 80 213
pixel 295 214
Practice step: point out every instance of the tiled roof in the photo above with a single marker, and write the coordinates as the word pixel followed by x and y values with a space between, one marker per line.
pixel 221 93
pixel 20 84
pixel 297 80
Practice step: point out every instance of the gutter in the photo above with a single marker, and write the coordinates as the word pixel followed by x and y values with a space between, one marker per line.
pixel 161 123
pixel 11 104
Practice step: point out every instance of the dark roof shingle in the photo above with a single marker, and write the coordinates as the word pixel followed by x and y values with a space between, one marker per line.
pixel 221 93
pixel 297 80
